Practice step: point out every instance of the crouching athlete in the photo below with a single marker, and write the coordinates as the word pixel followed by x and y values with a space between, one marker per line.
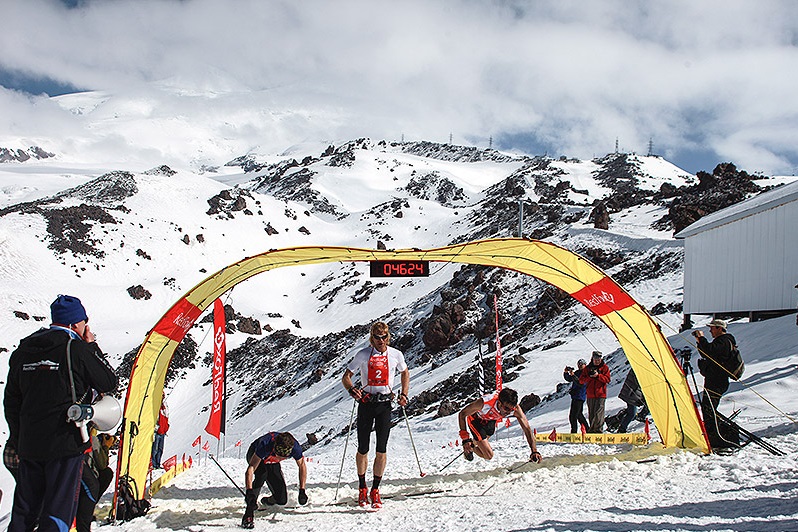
pixel 481 417
pixel 264 457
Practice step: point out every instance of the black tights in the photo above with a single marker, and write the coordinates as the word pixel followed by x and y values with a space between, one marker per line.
pixel 373 416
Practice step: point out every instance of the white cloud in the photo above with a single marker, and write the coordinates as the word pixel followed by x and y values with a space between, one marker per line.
pixel 575 76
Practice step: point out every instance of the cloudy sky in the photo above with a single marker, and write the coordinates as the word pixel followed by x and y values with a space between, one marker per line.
pixel 707 81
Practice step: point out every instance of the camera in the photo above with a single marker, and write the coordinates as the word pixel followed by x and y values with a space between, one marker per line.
pixel 685 353
pixel 568 368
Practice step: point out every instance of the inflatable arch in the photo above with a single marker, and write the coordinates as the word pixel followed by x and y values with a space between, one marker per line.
pixel 662 381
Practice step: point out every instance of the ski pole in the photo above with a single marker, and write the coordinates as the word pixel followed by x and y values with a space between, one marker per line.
pixel 225 474
pixel 346 443
pixel 422 473
pixel 451 461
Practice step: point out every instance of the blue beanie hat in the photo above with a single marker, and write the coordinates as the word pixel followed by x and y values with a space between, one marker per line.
pixel 67 310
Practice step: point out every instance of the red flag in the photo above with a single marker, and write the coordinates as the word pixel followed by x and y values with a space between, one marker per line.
pixel 553 435
pixel 197 441
pixel 207 446
pixel 170 463
pixel 184 461
pixel 190 461
pixel 498 346
pixel 648 431
pixel 582 428
pixel 507 422
pixel 215 424
pixel 238 443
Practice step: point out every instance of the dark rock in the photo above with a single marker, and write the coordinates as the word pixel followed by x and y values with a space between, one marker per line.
pixel 139 292
pixel 529 401
pixel 249 326
pixel 21 315
pixel 600 216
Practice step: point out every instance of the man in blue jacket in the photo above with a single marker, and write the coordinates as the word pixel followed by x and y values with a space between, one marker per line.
pixel 578 395
pixel 51 370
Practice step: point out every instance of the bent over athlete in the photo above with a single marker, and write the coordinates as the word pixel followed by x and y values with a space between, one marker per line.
pixel 481 417
pixel 377 365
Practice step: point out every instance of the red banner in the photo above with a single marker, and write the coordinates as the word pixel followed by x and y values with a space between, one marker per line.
pixel 170 463
pixel 178 320
pixel 207 446
pixel 215 424
pixel 197 441
pixel 603 297
pixel 238 443
pixel 498 346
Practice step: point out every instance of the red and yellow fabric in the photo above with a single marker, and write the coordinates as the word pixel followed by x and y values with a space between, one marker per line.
pixel 649 354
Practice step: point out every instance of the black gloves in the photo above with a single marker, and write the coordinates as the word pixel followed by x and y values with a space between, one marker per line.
pixel 251 501
pixel 303 497
pixel 356 392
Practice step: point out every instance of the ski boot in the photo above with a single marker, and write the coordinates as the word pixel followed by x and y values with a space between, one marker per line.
pixel 248 521
pixel 363 497
pixel 376 501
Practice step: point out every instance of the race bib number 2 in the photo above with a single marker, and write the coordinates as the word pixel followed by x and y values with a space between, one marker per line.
pixel 378 370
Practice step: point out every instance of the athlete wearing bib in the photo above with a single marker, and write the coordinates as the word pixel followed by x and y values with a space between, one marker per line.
pixel 264 456
pixel 481 417
pixel 377 366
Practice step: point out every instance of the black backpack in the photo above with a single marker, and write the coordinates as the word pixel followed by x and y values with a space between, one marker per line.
pixel 734 364
pixel 127 506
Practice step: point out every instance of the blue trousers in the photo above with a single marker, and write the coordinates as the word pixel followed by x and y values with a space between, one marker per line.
pixel 47 491
pixel 157 450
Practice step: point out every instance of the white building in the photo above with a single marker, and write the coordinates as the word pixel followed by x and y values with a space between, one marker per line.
pixel 743 260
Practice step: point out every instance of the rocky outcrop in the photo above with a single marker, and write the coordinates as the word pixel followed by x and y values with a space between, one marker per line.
pixel 725 186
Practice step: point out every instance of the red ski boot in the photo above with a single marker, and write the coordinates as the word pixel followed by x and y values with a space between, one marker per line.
pixel 363 497
pixel 376 502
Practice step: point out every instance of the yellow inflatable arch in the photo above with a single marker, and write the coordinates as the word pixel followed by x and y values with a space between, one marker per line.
pixel 661 379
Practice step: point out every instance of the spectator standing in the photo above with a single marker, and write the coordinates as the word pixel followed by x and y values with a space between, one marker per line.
pixel 578 394
pixel 160 433
pixel 716 378
pixel 595 376
pixel 51 370
pixel 632 395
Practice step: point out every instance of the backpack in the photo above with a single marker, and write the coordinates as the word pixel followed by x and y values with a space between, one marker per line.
pixel 127 506
pixel 734 364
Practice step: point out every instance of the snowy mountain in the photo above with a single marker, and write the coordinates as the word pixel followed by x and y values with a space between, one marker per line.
pixel 130 242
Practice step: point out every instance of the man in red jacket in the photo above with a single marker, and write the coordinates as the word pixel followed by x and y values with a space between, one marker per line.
pixel 595 376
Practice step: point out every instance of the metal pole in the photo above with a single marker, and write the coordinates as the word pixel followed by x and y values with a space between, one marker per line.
pixel 225 474
pixel 412 442
pixel 346 443
pixel 451 461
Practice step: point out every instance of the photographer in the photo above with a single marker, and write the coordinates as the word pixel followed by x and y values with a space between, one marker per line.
pixel 595 376
pixel 46 371
pixel 716 378
pixel 578 394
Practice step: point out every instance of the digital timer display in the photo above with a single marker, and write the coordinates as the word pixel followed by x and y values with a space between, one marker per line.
pixel 399 268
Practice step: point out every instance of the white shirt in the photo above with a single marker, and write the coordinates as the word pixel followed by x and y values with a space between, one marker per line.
pixel 369 358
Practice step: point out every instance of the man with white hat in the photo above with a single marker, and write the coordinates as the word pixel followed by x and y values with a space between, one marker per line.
pixel 716 378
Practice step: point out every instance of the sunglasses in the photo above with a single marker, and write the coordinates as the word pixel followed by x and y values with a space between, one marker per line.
pixel 380 336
